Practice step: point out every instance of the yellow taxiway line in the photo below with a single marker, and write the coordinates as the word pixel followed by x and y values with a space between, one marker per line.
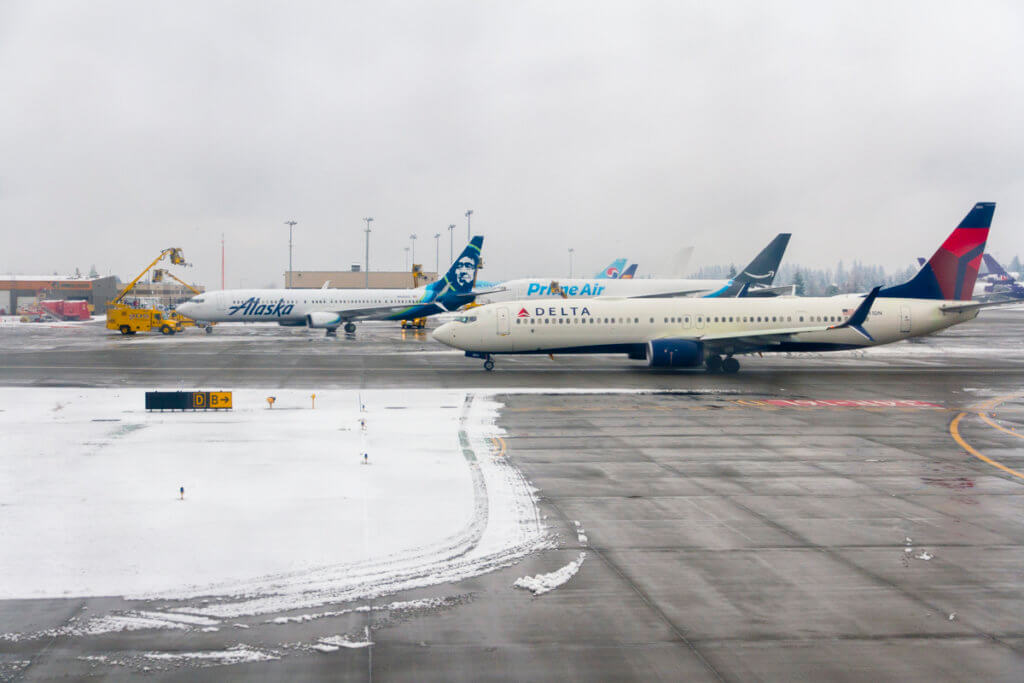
pixel 954 431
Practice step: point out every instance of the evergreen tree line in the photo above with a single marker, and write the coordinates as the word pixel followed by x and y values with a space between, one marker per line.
pixel 843 279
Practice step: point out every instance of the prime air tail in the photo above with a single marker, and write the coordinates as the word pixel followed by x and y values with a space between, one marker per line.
pixel 952 270
pixel 765 265
pixel 760 271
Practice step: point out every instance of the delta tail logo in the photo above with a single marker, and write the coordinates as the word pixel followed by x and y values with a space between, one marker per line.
pixel 523 313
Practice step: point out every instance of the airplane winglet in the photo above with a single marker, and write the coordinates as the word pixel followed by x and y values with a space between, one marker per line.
pixel 856 321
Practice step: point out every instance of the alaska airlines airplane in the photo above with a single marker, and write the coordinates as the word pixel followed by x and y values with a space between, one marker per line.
pixel 710 332
pixel 328 309
pixel 760 274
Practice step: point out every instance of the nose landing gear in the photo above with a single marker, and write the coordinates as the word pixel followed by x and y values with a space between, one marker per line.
pixel 489 364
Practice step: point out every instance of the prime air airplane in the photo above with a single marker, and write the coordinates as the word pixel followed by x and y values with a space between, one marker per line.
pixel 710 332
pixel 753 280
pixel 329 309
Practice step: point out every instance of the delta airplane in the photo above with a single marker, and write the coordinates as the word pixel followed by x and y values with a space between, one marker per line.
pixel 710 332
pixel 760 274
pixel 329 309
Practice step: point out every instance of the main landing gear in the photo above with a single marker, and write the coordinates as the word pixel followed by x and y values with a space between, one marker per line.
pixel 489 364
pixel 716 363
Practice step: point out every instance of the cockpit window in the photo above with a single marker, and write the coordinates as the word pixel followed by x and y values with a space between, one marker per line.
pixel 466 319
pixel 197 300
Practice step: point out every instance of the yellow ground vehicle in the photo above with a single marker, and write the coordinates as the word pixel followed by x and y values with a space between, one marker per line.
pixel 414 324
pixel 128 320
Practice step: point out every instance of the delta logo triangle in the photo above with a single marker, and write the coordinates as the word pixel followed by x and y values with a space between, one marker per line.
pixel 523 313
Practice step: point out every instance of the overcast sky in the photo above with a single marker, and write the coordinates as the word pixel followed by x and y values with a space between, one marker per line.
pixel 615 128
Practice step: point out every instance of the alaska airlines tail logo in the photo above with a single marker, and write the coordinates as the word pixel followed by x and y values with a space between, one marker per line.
pixel 252 306
pixel 523 313
pixel 770 274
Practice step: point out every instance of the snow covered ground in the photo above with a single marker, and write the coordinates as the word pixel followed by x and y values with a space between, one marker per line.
pixel 279 511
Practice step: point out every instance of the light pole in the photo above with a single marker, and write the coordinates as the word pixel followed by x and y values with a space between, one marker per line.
pixel 412 238
pixel 291 225
pixel 571 252
pixel 437 253
pixel 451 243
pixel 406 257
pixel 469 215
pixel 366 264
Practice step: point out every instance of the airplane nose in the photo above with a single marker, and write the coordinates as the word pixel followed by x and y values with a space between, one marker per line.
pixel 445 334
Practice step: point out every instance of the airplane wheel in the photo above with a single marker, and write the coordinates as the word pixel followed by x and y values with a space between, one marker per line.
pixel 488 365
pixel 350 327
pixel 713 363
pixel 209 329
pixel 730 365
pixel 125 330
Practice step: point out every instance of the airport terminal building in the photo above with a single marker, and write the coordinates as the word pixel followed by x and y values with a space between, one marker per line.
pixel 18 291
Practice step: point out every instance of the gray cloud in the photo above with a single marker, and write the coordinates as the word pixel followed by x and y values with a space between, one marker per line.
pixel 629 129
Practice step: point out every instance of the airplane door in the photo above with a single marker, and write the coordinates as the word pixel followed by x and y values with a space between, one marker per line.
pixel 699 322
pixel 905 319
pixel 503 326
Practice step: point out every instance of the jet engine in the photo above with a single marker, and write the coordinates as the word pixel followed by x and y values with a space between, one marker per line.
pixel 674 353
pixel 320 320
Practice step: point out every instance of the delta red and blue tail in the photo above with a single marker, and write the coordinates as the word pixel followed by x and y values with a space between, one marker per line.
pixel 951 272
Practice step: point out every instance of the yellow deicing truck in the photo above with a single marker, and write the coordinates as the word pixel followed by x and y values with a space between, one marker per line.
pixel 128 320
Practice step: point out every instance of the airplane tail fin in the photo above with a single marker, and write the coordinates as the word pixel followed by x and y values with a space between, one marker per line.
pixel 613 271
pixel 762 270
pixel 993 267
pixel 628 273
pixel 461 274
pixel 951 272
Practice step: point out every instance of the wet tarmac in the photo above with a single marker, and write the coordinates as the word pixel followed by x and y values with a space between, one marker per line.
pixel 852 516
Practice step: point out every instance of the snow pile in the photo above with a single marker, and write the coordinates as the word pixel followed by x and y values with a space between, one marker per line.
pixel 332 643
pixel 543 583
pixel 239 654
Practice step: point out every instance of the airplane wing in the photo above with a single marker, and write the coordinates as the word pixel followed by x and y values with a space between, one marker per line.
pixel 669 295
pixel 492 290
pixel 372 312
pixel 975 305
pixel 768 337
pixel 781 290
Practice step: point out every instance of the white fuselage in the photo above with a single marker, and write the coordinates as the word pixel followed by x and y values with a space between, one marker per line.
pixel 291 306
pixel 537 288
pixel 612 325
